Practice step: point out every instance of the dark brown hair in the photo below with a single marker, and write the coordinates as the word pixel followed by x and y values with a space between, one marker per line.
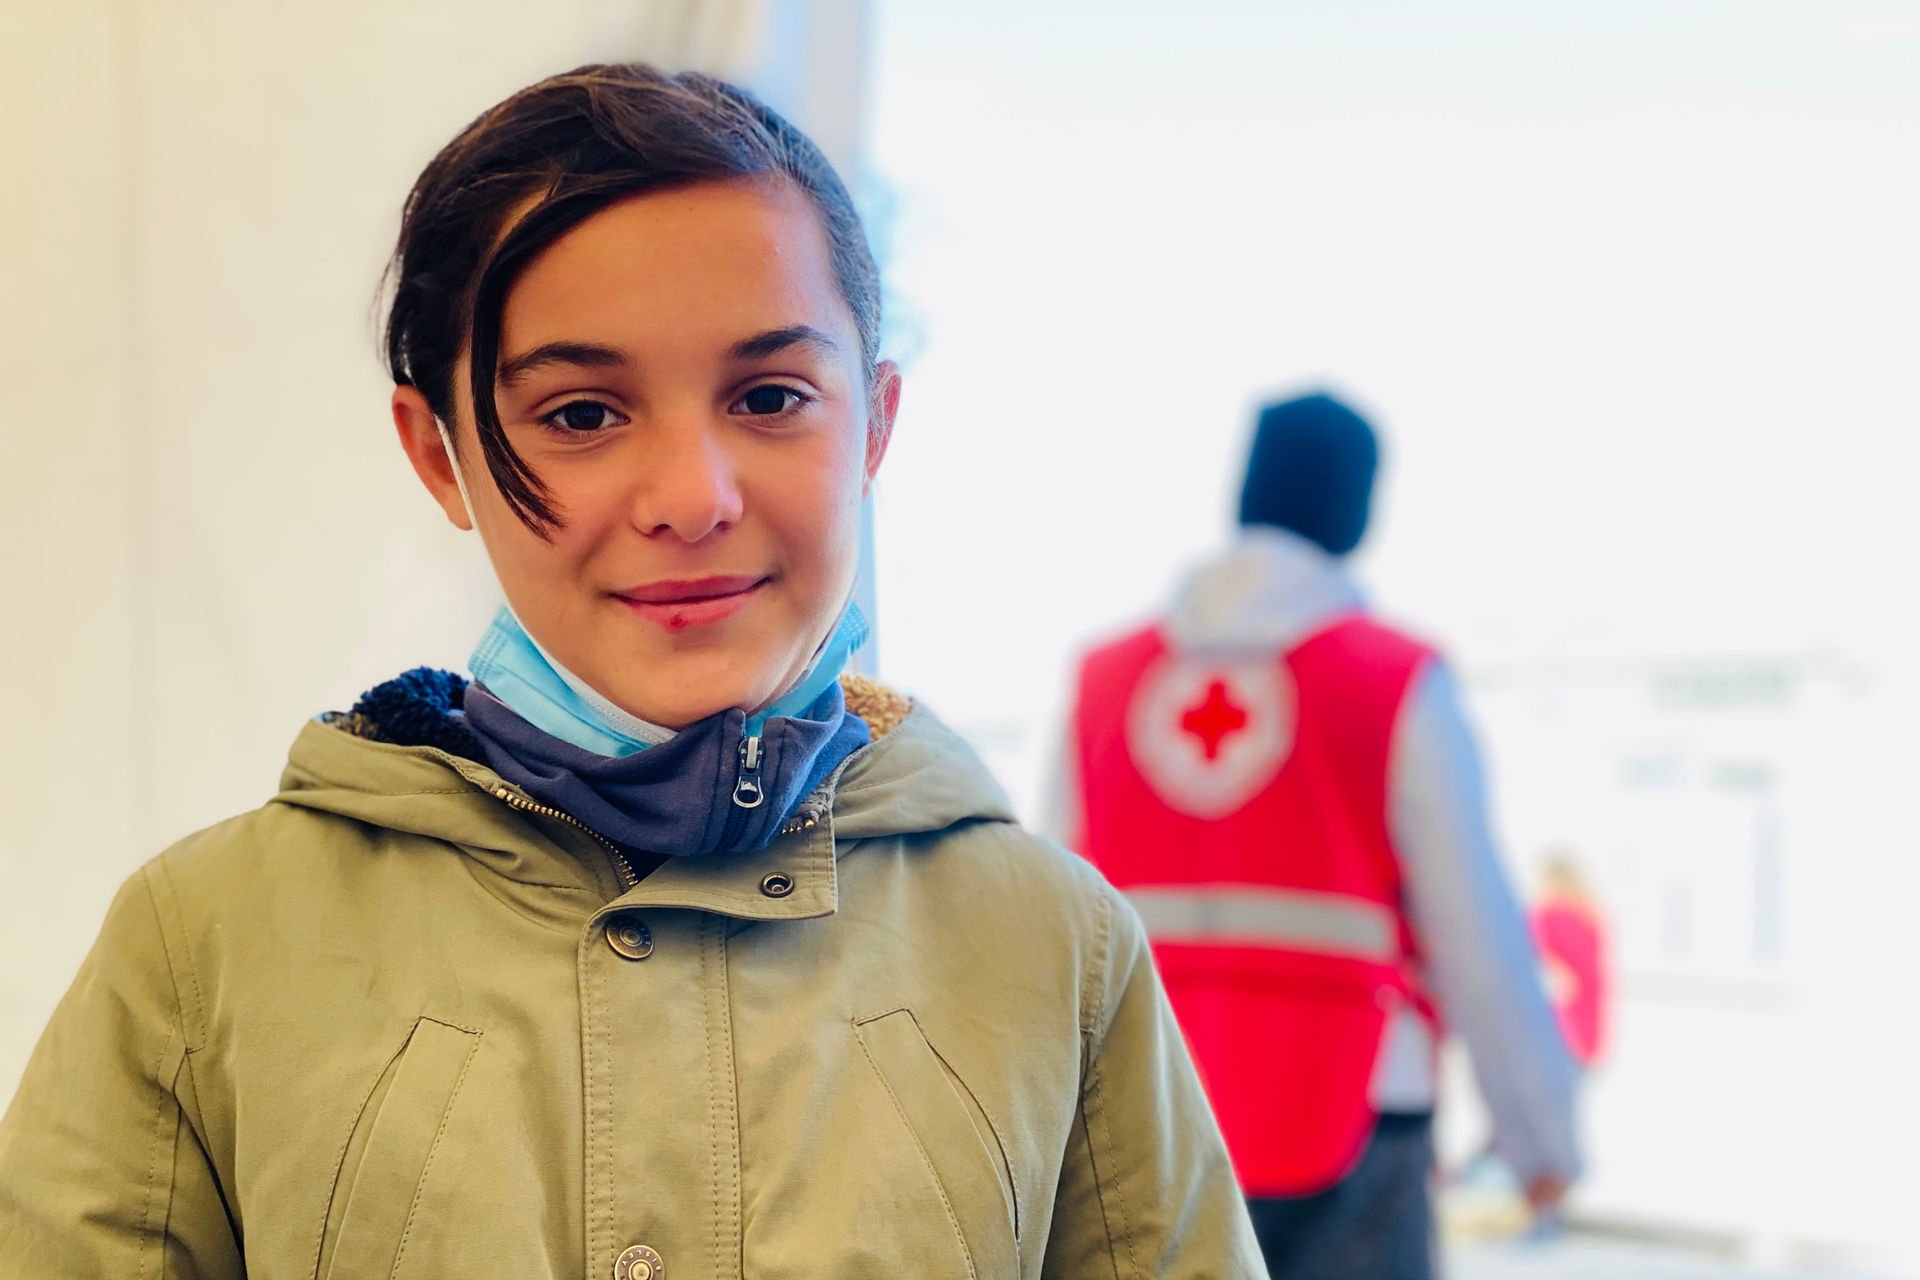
pixel 576 143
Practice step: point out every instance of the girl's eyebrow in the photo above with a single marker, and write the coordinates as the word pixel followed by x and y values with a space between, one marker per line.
pixel 776 340
pixel 583 355
pixel 594 355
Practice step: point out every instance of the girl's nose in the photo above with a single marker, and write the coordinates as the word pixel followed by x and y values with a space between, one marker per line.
pixel 688 486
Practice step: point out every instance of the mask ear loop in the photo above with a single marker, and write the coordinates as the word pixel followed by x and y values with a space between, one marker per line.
pixel 453 460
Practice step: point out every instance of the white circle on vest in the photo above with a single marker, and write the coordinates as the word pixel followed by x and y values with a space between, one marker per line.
pixel 1210 736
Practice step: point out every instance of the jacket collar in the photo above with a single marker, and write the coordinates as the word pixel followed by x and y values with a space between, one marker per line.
pixel 916 777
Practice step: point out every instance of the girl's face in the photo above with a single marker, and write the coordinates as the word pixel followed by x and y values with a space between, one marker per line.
pixel 682 373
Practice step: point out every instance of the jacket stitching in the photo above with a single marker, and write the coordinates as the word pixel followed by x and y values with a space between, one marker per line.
pixel 195 1121
pixel 713 1103
pixel 1100 1181
pixel 966 1251
pixel 735 1232
pixel 193 1029
pixel 598 981
pixel 875 1017
pixel 590 1030
pixel 179 1120
pixel 1106 1223
pixel 470 789
pixel 340 1156
pixel 713 1118
pixel 729 1240
pixel 426 1170
pixel 1006 1157
pixel 161 1088
pixel 558 888
pixel 1094 996
pixel 453 1026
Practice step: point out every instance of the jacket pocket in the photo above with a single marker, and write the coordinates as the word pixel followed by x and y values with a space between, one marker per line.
pixel 955 1138
pixel 390 1155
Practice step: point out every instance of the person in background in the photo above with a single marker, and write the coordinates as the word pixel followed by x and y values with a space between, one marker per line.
pixel 1288 792
pixel 1572 941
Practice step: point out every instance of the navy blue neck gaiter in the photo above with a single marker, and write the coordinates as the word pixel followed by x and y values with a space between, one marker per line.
pixel 711 788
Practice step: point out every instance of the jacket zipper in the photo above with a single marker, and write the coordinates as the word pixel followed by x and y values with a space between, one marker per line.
pixel 621 866
pixel 747 792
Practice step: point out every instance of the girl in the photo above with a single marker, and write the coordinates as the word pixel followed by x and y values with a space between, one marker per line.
pixel 657 950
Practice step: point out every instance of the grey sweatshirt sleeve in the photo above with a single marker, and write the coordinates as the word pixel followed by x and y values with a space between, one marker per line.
pixel 1479 955
pixel 1060 816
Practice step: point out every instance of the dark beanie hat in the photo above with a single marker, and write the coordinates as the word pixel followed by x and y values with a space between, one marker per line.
pixel 1311 471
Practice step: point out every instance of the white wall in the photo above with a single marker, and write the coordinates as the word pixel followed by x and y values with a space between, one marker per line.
pixel 212 533
pixel 1626 287
pixel 1630 289
pixel 69 574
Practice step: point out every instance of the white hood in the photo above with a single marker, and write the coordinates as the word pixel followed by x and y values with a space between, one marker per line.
pixel 1270 590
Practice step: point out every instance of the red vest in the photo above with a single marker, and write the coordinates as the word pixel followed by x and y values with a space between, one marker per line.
pixel 1242 805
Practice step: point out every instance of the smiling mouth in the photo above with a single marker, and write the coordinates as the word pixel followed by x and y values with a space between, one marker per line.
pixel 681 605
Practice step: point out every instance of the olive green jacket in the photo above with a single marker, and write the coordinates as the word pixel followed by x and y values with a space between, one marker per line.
pixel 391 1025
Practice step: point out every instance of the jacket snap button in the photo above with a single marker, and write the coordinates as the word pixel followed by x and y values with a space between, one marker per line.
pixel 630 938
pixel 777 885
pixel 639 1263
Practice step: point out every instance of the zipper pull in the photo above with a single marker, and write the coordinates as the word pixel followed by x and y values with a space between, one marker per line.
pixel 746 788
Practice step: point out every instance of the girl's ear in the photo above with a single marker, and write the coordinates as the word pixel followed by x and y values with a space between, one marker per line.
pixel 427 450
pixel 883 405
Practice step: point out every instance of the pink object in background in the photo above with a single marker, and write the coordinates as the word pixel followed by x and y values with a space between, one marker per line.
pixel 1572 945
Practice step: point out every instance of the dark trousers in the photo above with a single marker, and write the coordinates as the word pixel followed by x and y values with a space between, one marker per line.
pixel 1375 1224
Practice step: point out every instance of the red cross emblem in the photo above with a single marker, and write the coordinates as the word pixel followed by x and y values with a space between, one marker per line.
pixel 1209 734
pixel 1213 719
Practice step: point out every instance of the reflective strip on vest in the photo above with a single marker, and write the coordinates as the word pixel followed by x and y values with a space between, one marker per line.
pixel 1262 916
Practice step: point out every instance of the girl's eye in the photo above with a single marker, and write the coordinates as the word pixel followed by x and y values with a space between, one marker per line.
pixel 769 400
pixel 582 416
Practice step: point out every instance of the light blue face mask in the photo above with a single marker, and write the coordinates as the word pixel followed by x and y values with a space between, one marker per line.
pixel 554 700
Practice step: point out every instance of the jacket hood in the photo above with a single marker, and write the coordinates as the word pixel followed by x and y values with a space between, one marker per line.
pixel 1270 590
pixel 916 776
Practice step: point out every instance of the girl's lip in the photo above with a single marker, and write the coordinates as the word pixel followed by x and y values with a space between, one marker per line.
pixel 698 602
